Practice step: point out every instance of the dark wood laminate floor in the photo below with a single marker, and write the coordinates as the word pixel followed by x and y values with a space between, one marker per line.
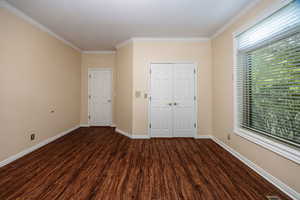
pixel 97 163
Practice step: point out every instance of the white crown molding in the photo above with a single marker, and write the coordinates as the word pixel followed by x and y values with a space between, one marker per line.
pixel 161 39
pixel 235 18
pixel 273 180
pixel 98 52
pixel 180 39
pixel 19 13
pixel 35 147
pixel 124 43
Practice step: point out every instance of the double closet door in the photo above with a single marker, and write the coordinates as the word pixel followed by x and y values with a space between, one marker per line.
pixel 173 100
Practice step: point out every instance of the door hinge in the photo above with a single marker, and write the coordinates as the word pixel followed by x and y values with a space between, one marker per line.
pixel 150 98
pixel 195 125
pixel 149 125
pixel 89 117
pixel 89 96
pixel 90 76
pixel 195 98
pixel 150 71
pixel 194 71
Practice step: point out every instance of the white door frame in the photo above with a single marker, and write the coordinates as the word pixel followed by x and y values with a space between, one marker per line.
pixel 90 69
pixel 196 93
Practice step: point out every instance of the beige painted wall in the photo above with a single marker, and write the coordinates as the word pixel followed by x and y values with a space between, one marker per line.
pixel 159 51
pixel 124 87
pixel 38 74
pixel 285 170
pixel 95 61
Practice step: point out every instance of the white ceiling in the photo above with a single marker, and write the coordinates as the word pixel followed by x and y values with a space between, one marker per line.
pixel 102 24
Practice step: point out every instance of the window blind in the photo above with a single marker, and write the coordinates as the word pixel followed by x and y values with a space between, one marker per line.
pixel 285 21
pixel 268 76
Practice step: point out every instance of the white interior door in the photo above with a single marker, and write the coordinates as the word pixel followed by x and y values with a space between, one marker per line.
pixel 173 100
pixel 161 100
pixel 100 95
pixel 184 99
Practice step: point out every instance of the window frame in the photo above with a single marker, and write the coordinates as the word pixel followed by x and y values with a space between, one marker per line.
pixel 280 148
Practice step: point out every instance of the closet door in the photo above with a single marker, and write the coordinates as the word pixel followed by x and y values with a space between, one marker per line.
pixel 184 99
pixel 161 100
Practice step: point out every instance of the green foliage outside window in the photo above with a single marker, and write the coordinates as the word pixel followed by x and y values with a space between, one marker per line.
pixel 273 89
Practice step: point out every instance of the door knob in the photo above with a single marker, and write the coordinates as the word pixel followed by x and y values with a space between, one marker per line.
pixel 109 101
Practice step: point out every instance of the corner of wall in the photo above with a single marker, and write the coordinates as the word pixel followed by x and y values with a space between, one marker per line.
pixel 124 87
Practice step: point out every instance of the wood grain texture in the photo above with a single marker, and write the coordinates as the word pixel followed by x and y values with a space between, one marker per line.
pixel 99 164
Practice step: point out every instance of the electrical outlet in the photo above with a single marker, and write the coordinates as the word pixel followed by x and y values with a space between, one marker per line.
pixel 228 137
pixel 32 137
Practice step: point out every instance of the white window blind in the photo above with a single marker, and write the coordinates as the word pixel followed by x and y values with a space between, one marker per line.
pixel 268 77
pixel 282 22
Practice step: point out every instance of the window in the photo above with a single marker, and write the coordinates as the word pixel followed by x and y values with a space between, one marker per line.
pixel 267 82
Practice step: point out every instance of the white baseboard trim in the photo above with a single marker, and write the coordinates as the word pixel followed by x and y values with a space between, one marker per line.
pixel 276 182
pixel 148 137
pixel 140 137
pixel 35 147
pixel 123 133
pixel 84 125
pixel 87 125
pixel 132 136
pixel 203 137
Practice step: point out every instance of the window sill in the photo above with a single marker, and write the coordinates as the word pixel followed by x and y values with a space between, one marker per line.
pixel 281 149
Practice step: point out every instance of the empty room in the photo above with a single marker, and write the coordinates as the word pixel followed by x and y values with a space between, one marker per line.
pixel 150 100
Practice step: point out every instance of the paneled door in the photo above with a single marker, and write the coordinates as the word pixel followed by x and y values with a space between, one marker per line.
pixel 100 97
pixel 173 100
pixel 161 100
pixel 184 99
